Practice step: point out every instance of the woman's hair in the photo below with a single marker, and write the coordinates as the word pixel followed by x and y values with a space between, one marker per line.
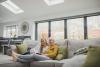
pixel 43 44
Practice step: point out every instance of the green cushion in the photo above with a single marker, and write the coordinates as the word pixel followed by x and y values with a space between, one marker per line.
pixel 93 57
pixel 22 48
pixel 59 57
pixel 62 53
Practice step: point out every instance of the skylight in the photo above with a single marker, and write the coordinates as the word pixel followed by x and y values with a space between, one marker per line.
pixel 53 2
pixel 12 7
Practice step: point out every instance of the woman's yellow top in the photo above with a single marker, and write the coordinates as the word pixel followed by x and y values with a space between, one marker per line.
pixel 52 51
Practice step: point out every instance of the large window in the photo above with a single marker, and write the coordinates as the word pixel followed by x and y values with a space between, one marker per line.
pixel 57 29
pixel 93 24
pixel 42 30
pixel 75 28
pixel 11 31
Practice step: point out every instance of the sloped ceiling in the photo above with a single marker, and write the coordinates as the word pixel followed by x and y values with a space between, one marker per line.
pixel 35 9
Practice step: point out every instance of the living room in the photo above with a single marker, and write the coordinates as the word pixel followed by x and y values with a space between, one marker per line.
pixel 72 24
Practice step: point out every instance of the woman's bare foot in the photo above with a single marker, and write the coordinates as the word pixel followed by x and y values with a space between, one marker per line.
pixel 14 56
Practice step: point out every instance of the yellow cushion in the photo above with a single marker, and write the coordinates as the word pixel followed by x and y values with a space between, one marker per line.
pixel 22 48
pixel 59 57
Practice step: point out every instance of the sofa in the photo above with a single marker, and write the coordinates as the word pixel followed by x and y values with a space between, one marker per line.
pixel 73 45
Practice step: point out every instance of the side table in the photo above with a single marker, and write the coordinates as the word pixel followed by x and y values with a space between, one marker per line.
pixel 5 47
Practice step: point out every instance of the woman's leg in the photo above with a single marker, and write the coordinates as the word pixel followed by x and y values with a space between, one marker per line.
pixel 34 56
pixel 24 61
pixel 26 57
pixel 26 53
pixel 22 58
pixel 40 57
pixel 30 57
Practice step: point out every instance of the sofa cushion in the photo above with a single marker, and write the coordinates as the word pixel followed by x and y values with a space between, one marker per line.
pixel 93 57
pixel 74 45
pixel 31 43
pixel 61 42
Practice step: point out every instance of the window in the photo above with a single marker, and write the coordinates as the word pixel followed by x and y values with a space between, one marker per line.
pixel 42 30
pixel 93 24
pixel 57 29
pixel 11 31
pixel 80 27
pixel 75 28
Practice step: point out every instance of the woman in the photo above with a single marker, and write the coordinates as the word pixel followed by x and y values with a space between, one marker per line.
pixel 41 48
pixel 49 54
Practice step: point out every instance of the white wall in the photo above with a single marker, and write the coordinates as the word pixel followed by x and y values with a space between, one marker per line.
pixel 1 29
pixel 30 32
pixel 67 13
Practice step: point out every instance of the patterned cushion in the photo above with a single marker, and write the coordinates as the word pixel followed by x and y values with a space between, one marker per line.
pixel 81 51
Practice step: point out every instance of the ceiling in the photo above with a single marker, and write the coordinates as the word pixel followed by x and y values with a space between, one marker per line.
pixel 34 9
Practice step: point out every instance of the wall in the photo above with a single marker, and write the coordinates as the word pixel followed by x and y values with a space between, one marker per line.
pixel 1 29
pixel 67 13
pixel 30 32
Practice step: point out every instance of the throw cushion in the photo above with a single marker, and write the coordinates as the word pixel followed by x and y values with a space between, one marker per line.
pixel 59 57
pixel 81 51
pixel 93 57
pixel 22 48
pixel 62 53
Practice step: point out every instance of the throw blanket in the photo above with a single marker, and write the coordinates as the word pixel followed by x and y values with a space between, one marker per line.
pixel 76 61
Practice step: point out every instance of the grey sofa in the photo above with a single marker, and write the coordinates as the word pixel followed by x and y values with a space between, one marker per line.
pixel 73 45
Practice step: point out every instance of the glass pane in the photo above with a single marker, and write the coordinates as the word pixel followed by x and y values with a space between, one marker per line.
pixel 75 28
pixel 42 30
pixel 57 29
pixel 93 27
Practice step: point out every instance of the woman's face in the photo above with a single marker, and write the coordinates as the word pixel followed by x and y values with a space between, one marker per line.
pixel 51 41
pixel 43 43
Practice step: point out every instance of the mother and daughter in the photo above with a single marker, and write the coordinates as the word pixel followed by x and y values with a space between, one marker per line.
pixel 48 51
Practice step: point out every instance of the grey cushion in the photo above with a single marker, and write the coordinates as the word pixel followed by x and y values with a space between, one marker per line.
pixel 61 42
pixel 31 43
